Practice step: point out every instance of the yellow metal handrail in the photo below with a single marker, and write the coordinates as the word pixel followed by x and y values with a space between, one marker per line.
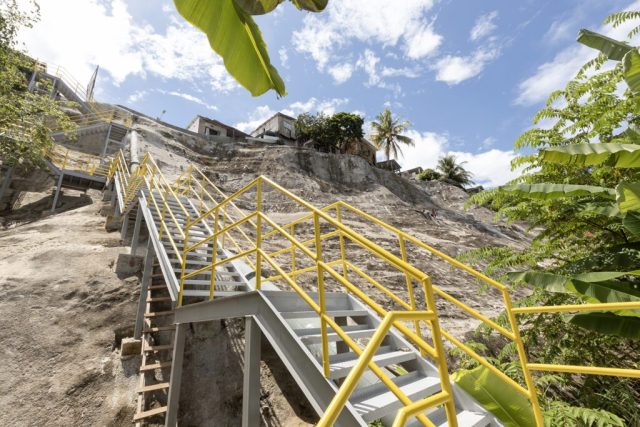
pixel 76 161
pixel 256 232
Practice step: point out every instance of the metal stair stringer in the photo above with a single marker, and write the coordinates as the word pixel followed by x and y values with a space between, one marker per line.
pixel 298 360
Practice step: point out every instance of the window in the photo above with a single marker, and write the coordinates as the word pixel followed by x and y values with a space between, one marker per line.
pixel 210 131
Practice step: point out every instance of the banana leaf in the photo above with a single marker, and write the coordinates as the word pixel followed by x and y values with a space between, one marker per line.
pixel 631 69
pixel 607 324
pixel 631 223
pixel 547 191
pixel 497 396
pixel 311 5
pixel 616 155
pixel 258 7
pixel 628 196
pixel 234 35
pixel 614 49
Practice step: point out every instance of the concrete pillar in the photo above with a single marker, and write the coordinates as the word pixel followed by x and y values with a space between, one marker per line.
pixel 125 226
pixel 147 272
pixel 55 198
pixel 171 420
pixel 6 182
pixel 251 385
pixel 136 231
pixel 133 146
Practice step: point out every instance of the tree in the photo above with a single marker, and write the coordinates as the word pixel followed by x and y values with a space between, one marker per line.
pixel 453 171
pixel 25 115
pixel 429 175
pixel 235 36
pixel 581 191
pixel 387 133
pixel 329 133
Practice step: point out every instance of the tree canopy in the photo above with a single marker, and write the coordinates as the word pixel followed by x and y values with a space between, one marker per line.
pixel 25 115
pixel 387 133
pixel 329 133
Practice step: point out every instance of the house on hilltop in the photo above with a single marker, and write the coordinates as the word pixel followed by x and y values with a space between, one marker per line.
pixel 210 127
pixel 390 165
pixel 278 127
pixel 363 148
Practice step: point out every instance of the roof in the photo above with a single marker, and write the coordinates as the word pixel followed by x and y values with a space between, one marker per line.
pixel 218 123
pixel 371 144
pixel 389 164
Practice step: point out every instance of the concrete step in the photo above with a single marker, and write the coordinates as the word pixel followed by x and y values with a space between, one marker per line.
pixel 313 335
pixel 332 313
pixel 465 418
pixel 342 363
pixel 377 400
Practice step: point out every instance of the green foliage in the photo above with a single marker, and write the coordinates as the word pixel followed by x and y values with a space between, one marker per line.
pixel 580 193
pixel 329 133
pixel 497 396
pixel 24 115
pixel 387 132
pixel 559 413
pixel 429 175
pixel 234 35
pixel 615 155
pixel 453 171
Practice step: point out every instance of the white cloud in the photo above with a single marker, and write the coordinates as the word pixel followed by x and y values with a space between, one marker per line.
pixel 136 96
pixel 368 61
pixel 256 118
pixel 284 56
pixel 456 69
pixel 555 74
pixel 489 141
pixel 382 23
pixel 490 168
pixel 341 72
pixel 484 26
pixel 190 98
pixel 108 35
pixel 560 30
pixel 422 42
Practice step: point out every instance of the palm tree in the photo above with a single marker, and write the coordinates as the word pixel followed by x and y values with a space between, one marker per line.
pixel 387 131
pixel 453 171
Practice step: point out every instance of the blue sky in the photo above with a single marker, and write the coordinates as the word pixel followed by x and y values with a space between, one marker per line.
pixel 469 75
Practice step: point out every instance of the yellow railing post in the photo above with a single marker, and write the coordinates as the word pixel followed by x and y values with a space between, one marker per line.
pixel 409 282
pixel 321 296
pixel 185 250
pixel 292 231
pixel 441 361
pixel 343 252
pixel 522 356
pixel 214 253
pixel 259 233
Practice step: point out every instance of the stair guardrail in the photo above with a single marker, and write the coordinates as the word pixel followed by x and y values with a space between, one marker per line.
pixel 256 237
pixel 67 159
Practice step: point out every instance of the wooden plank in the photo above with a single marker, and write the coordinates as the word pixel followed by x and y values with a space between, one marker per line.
pixel 153 387
pixel 158 299
pixel 159 314
pixel 156 348
pixel 159 329
pixel 150 413
pixel 154 366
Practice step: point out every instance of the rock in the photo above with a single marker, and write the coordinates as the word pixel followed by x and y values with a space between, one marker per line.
pixel 130 347
pixel 128 265
pixel 113 223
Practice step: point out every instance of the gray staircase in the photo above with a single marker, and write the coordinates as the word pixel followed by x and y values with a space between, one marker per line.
pixel 287 322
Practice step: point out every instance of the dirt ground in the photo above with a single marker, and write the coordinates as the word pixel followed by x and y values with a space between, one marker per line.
pixel 60 303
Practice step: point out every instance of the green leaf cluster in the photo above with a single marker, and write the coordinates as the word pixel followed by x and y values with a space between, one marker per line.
pixel 25 116
pixel 579 196
pixel 329 133
pixel 234 35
